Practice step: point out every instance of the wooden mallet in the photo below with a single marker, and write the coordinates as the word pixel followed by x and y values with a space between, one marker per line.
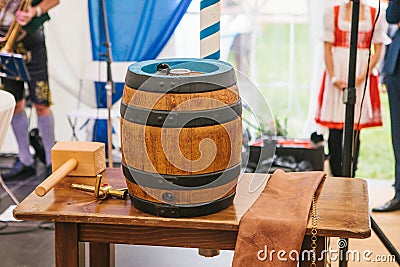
pixel 73 159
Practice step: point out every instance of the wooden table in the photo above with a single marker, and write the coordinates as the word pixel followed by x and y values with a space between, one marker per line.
pixel 342 208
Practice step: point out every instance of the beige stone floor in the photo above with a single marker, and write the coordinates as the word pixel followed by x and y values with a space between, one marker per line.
pixel 389 223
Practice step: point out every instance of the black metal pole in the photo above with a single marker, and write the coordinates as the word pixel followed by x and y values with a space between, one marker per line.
pixel 107 45
pixel 349 99
pixel 349 96
pixel 109 84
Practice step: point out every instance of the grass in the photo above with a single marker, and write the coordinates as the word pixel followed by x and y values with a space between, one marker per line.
pixel 376 158
pixel 289 103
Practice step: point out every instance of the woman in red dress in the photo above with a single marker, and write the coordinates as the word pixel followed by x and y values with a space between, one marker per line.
pixel 331 109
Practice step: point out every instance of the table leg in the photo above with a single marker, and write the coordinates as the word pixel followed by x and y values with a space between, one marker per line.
pixel 305 259
pixel 66 245
pixel 102 254
pixel 81 253
pixel 206 252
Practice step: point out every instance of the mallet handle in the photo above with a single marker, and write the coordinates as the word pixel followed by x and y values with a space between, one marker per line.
pixel 56 177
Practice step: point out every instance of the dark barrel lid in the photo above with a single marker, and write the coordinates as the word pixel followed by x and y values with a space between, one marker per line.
pixel 192 75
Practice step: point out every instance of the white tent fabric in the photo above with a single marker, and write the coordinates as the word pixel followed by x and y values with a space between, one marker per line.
pixel 72 71
pixel 315 21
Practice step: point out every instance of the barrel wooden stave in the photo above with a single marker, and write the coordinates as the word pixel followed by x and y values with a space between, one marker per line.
pixel 171 101
pixel 145 150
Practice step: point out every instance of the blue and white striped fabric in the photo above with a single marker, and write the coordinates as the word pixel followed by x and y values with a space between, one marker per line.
pixel 138 31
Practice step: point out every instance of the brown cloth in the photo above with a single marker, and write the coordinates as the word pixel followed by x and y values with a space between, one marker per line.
pixel 277 221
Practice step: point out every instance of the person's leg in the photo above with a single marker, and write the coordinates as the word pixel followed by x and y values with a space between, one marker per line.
pixel 393 89
pixel 41 98
pixel 46 129
pixel 25 166
pixel 40 91
pixel 20 126
pixel 335 151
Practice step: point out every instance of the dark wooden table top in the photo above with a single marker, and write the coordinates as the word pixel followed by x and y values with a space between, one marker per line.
pixel 342 207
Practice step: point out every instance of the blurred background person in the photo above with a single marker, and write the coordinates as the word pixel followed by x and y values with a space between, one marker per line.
pixel 32 43
pixel 391 70
pixel 331 109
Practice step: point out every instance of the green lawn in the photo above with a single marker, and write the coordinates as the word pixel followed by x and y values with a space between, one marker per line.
pixel 376 155
pixel 290 104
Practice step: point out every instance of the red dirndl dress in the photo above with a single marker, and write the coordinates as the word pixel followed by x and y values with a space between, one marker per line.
pixel 331 110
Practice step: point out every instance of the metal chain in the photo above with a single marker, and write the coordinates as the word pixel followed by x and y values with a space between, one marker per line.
pixel 314 222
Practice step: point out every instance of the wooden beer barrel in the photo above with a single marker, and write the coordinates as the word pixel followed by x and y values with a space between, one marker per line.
pixel 181 136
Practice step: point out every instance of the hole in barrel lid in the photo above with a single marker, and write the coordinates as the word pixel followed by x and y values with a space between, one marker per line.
pixel 179 72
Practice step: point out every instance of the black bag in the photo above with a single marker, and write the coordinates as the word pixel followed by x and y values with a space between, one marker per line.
pixel 36 143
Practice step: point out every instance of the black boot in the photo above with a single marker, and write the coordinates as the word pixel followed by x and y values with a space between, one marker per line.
pixel 391 205
pixel 36 142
